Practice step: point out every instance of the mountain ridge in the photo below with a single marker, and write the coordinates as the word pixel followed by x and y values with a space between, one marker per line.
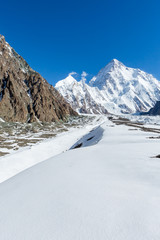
pixel 25 96
pixel 116 88
pixel 81 99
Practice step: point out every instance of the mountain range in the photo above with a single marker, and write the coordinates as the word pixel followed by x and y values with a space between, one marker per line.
pixel 115 89
pixel 25 96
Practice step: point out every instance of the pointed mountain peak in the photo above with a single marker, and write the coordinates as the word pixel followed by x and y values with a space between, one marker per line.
pixel 112 66
pixel 70 78
pixel 114 62
pixel 68 81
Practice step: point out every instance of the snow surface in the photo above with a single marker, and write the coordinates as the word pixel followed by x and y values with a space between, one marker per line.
pixel 117 88
pixel 151 121
pixel 26 157
pixel 107 191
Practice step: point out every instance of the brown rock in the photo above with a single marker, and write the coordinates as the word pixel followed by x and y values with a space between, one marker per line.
pixel 25 96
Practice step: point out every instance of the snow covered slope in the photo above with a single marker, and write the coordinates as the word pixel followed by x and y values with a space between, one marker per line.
pixel 91 193
pixel 83 98
pixel 26 157
pixel 116 88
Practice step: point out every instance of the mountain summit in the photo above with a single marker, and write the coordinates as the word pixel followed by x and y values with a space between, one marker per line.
pixel 116 88
pixel 25 96
pixel 80 95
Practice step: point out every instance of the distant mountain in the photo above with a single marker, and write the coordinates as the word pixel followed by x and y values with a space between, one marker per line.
pixel 81 96
pixel 155 110
pixel 25 96
pixel 116 89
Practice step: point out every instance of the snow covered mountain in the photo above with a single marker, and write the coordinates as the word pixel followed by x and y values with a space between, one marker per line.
pixel 155 110
pixel 115 89
pixel 82 97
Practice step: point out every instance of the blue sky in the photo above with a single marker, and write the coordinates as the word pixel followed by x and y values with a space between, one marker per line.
pixel 58 37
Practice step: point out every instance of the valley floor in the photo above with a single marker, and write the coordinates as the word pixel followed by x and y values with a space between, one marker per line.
pixel 107 187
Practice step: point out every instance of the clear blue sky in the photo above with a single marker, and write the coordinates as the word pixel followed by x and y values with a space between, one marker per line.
pixel 58 37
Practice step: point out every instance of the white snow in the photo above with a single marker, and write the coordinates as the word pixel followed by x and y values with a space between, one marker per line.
pixel 26 157
pixel 80 95
pixel 1 120
pixel 152 121
pixel 107 191
pixel 117 88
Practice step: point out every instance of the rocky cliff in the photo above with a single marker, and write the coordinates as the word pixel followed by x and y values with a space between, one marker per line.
pixel 25 96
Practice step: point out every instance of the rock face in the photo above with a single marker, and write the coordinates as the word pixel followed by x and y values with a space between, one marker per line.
pixel 25 96
pixel 155 110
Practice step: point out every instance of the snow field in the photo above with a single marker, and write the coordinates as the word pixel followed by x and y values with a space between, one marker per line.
pixel 107 191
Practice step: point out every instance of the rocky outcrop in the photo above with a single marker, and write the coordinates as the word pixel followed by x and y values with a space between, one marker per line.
pixel 25 96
